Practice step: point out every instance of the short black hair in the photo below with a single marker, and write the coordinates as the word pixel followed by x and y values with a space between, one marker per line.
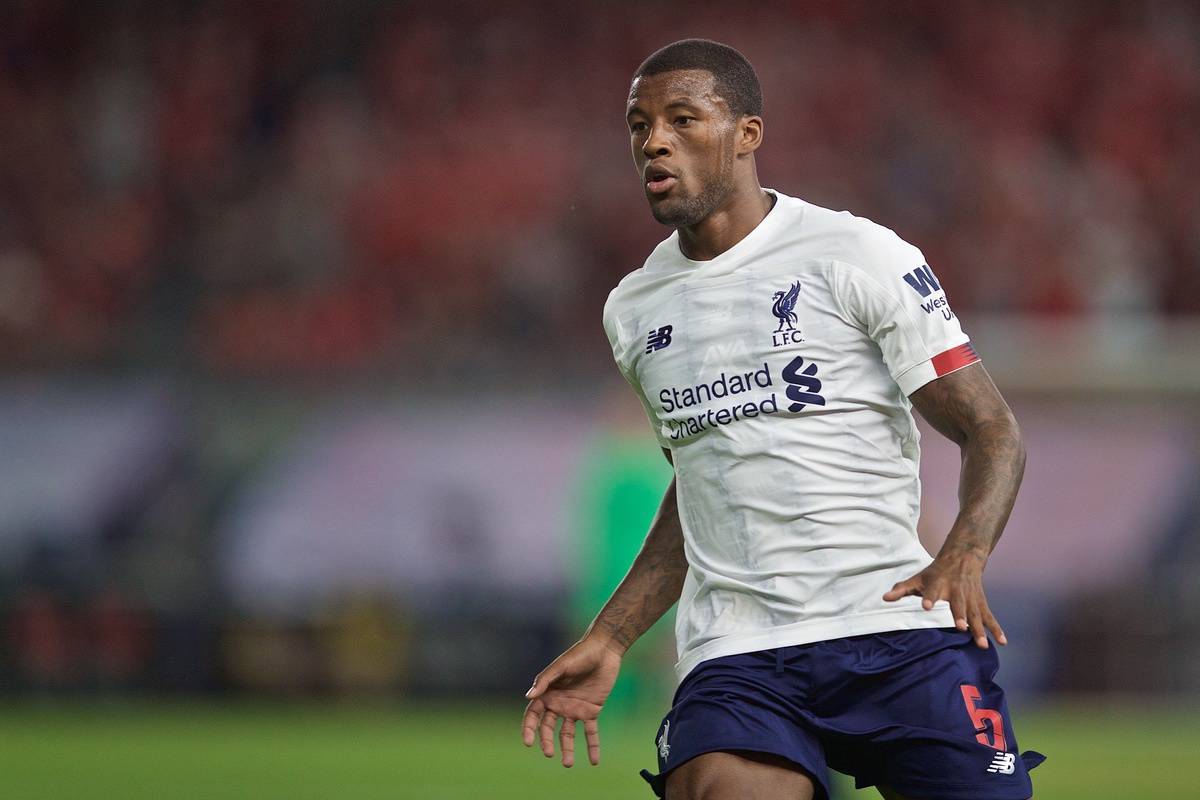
pixel 732 74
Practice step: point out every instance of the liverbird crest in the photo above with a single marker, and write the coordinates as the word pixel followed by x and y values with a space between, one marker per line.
pixel 783 305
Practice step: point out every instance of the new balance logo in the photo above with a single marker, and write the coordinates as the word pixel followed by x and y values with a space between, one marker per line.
pixel 664 749
pixel 1003 763
pixel 922 281
pixel 659 339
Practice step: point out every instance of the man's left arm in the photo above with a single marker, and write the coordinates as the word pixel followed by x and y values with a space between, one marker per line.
pixel 966 407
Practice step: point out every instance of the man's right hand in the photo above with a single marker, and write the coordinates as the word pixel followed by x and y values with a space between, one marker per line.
pixel 572 688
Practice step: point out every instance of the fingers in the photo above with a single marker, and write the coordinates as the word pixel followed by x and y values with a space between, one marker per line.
pixel 968 606
pixel 958 609
pixel 529 723
pixel 536 713
pixel 903 589
pixel 566 742
pixel 591 732
pixel 993 625
pixel 546 729
pixel 539 722
pixel 977 629
pixel 977 618
pixel 543 680
pixel 987 623
pixel 535 709
pixel 915 586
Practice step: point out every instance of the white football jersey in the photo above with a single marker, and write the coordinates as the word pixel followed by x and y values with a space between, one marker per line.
pixel 777 374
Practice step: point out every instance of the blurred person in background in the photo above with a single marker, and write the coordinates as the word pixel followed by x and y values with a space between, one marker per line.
pixel 778 348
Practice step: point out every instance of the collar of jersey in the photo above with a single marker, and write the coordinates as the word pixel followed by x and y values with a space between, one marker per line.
pixel 747 243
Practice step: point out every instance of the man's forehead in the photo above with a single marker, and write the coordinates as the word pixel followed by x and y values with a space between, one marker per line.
pixel 696 85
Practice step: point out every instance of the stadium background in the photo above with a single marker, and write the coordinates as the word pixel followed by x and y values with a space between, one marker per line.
pixel 311 449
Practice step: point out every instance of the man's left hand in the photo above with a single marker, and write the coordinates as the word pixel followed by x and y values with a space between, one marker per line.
pixel 957 578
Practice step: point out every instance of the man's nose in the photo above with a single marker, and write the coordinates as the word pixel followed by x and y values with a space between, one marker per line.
pixel 657 143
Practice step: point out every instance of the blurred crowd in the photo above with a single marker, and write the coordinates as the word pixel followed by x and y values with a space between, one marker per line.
pixel 421 189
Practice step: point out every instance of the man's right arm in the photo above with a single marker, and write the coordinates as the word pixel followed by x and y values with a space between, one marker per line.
pixel 651 586
pixel 575 685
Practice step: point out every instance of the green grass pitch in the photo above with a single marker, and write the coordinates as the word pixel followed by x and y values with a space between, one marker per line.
pixel 193 751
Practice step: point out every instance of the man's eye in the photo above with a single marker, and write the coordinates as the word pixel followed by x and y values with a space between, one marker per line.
pixel 637 127
pixel 684 121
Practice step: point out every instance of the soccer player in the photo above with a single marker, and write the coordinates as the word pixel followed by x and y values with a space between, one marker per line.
pixel 779 348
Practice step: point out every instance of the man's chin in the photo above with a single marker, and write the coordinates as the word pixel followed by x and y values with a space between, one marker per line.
pixel 674 215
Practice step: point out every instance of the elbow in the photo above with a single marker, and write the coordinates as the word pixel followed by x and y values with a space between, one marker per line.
pixel 1004 436
pixel 999 435
pixel 1018 444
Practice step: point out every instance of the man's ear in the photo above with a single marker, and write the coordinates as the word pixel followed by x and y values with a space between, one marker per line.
pixel 750 134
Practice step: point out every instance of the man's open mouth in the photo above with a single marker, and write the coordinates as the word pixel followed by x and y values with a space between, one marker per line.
pixel 659 180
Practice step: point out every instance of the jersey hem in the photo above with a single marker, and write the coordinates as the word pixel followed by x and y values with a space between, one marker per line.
pixel 811 631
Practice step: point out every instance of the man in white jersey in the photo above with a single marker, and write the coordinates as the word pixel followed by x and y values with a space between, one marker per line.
pixel 778 349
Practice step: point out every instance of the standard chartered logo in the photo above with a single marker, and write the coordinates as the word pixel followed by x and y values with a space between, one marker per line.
pixel 804 387
pixel 752 393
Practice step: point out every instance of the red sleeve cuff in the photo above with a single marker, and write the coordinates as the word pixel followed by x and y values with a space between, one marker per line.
pixel 953 359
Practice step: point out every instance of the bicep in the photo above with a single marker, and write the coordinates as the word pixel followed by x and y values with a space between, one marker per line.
pixel 960 403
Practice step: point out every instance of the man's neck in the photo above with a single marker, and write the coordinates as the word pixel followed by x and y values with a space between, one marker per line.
pixel 726 226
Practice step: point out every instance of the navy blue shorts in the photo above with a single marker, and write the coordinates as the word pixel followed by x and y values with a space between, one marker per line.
pixel 916 711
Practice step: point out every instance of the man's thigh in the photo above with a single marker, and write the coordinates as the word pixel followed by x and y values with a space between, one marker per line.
pixel 735 724
pixel 743 775
pixel 933 725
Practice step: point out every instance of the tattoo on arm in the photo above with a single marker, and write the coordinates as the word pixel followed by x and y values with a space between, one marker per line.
pixel 966 407
pixel 653 583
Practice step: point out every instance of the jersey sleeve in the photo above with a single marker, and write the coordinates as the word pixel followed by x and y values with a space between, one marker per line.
pixel 622 355
pixel 890 291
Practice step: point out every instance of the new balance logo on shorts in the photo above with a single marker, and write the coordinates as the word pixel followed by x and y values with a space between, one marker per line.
pixel 1003 763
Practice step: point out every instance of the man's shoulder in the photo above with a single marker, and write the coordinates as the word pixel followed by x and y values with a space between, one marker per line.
pixel 857 241
pixel 650 273
pixel 622 296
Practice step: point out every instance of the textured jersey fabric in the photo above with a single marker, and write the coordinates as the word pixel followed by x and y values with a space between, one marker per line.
pixel 777 374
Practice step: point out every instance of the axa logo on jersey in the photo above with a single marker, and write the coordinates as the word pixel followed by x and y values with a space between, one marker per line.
pixel 783 307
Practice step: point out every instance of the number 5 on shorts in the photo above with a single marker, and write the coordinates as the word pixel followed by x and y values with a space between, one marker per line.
pixel 980 716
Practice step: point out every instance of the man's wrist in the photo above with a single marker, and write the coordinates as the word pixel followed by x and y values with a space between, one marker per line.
pixel 600 634
pixel 964 551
